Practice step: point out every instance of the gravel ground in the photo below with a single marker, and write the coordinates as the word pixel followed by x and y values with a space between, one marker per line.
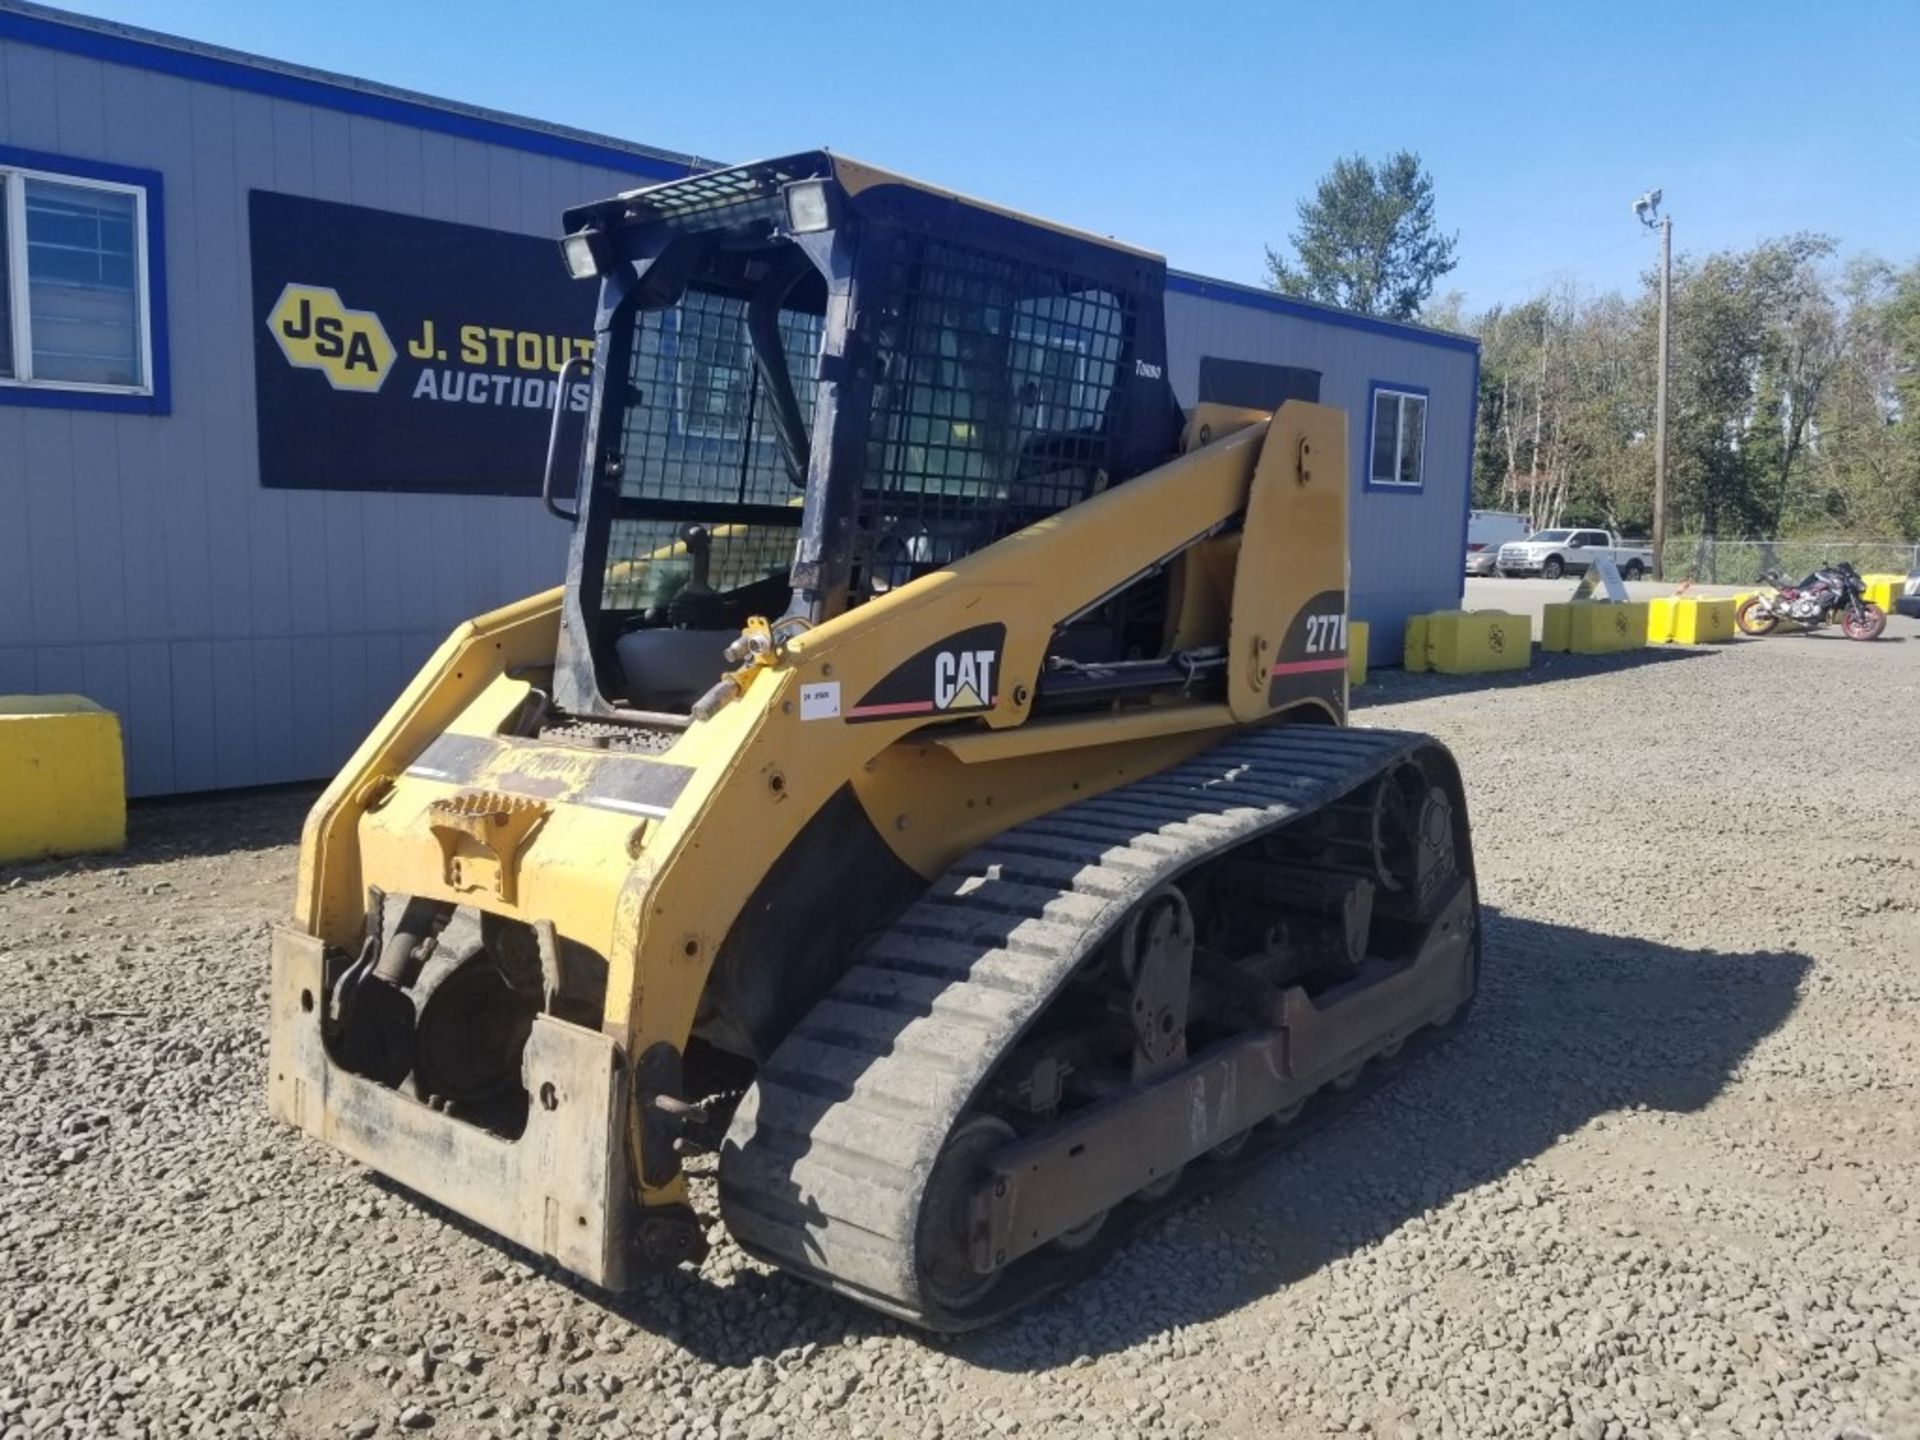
pixel 1660 1185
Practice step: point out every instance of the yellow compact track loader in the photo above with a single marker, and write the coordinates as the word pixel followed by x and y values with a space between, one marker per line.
pixel 930 789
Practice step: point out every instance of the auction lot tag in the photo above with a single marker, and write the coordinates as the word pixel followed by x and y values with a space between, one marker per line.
pixel 821 701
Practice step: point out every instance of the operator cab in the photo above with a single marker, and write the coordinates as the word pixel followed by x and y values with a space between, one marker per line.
pixel 814 382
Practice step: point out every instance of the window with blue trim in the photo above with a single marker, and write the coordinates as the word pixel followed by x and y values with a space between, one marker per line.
pixel 1398 447
pixel 75 302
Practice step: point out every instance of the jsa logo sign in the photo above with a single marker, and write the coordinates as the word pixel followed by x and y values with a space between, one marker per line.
pixel 316 332
pixel 963 680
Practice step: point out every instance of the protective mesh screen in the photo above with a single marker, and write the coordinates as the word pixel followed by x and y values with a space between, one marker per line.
pixel 716 199
pixel 991 410
pixel 698 430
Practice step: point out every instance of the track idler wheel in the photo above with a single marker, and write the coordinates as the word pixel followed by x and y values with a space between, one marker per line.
pixel 948 1276
pixel 1156 960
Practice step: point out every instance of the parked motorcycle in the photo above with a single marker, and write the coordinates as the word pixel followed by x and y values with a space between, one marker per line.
pixel 1833 593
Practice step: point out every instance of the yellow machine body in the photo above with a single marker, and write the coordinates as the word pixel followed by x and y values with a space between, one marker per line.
pixel 930 790
pixel 523 828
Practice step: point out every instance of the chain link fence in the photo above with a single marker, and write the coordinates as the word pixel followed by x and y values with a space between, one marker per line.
pixel 1711 561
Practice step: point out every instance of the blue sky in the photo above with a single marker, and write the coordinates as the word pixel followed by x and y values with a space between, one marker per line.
pixel 1195 128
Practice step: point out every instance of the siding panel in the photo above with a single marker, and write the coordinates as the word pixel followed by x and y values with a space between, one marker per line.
pixel 272 707
pixel 53 554
pixel 312 687
pixel 470 170
pixel 149 720
pixel 141 502
pixel 332 156
pixel 16 671
pixel 406 170
pixel 235 760
pixel 134 131
pixel 103 679
pixel 349 709
pixel 16 533
pixel 226 368
pixel 386 551
pixel 344 572
pixel 367 153
pixel 387 672
pixel 102 582
pixel 292 148
pixel 196 764
pixel 31 98
pixel 79 86
pixel 308 583
pixel 59 670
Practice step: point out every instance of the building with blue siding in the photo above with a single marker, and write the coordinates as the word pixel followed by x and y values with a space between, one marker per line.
pixel 169 545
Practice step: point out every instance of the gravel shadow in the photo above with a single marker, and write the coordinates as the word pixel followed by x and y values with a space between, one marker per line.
pixel 1569 1025
pixel 184 826
pixel 1392 686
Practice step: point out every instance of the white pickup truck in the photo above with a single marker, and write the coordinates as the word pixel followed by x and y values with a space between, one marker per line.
pixel 1553 553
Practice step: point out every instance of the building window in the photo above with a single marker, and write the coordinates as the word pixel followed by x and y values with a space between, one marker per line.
pixel 1397 442
pixel 78 298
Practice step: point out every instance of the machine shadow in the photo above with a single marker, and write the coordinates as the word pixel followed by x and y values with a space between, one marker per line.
pixel 1392 686
pixel 1568 1025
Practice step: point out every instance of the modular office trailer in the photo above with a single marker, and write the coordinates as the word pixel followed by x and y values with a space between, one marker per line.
pixel 265 332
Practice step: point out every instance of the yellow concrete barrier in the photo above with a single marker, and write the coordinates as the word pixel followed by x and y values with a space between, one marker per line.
pixel 1712 623
pixel 1689 620
pixel 1882 588
pixel 1356 652
pixel 1471 642
pixel 1594 627
pixel 1414 650
pixel 1554 625
pixel 62 787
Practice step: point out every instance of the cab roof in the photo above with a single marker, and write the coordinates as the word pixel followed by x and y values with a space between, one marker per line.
pixel 743 189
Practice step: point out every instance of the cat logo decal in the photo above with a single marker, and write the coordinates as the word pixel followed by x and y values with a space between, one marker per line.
pixel 959 675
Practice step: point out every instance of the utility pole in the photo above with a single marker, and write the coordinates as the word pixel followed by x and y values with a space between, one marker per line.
pixel 1660 404
pixel 1647 207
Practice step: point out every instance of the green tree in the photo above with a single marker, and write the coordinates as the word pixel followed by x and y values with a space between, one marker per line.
pixel 1367 239
pixel 1753 340
pixel 1795 402
pixel 1866 430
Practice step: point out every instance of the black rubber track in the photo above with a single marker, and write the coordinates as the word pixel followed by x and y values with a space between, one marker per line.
pixel 825 1164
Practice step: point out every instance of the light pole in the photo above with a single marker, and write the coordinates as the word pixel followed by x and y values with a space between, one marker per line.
pixel 1647 207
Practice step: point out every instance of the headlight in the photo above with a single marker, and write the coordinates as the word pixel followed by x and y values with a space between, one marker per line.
pixel 584 252
pixel 808 209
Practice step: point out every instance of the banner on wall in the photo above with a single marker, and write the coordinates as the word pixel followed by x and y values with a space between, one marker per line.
pixel 394 353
